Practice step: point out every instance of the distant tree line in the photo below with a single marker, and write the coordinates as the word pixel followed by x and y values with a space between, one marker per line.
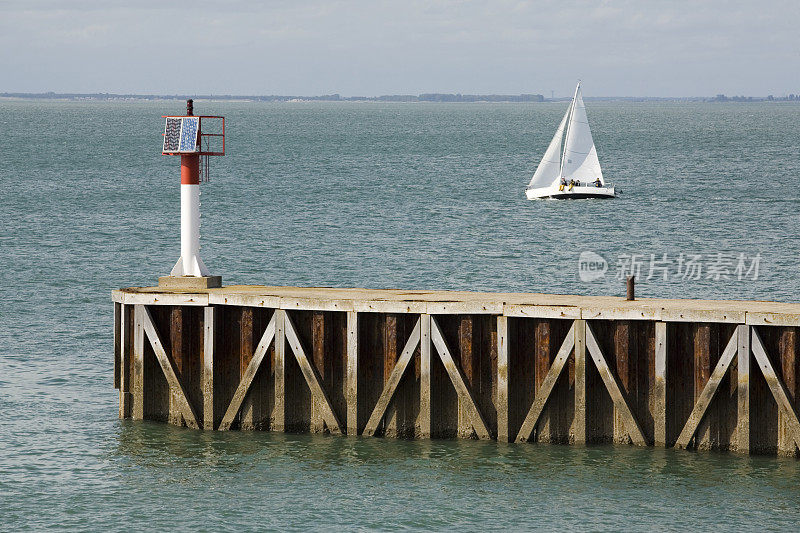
pixel 438 97
pixel 769 98
pixel 429 97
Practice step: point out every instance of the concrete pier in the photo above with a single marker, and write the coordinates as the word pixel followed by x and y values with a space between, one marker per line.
pixel 720 375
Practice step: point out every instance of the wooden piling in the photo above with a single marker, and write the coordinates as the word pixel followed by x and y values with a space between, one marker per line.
pixel 503 429
pixel 353 425
pixel 788 347
pixel 123 357
pixel 661 430
pixel 138 365
pixel 210 416
pixel 279 373
pixel 579 435
pixel 743 390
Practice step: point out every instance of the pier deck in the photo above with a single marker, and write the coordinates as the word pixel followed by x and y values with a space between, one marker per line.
pixel 421 364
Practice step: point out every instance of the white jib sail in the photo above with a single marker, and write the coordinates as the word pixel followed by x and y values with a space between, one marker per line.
pixel 550 166
pixel 580 155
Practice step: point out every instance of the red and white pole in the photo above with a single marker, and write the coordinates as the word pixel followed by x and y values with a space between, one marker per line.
pixel 190 263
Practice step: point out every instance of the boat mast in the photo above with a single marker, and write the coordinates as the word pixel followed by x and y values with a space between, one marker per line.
pixel 566 135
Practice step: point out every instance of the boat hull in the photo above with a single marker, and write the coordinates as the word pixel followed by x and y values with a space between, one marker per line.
pixel 576 193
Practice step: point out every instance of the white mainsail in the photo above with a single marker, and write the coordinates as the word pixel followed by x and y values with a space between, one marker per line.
pixel 579 161
pixel 550 166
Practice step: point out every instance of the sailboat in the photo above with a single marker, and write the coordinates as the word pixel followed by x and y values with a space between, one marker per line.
pixel 574 171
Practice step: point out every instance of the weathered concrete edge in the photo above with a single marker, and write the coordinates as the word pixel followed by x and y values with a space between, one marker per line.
pixel 542 311
pixel 367 305
pixel 123 296
pixel 772 319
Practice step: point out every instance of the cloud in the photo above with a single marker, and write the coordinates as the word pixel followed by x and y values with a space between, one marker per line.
pixel 617 47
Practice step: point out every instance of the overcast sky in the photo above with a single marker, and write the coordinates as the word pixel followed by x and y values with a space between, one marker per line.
pixel 618 48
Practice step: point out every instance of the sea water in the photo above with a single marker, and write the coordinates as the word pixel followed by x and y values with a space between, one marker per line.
pixel 372 195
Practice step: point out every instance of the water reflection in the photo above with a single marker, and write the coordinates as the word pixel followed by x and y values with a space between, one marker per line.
pixel 451 483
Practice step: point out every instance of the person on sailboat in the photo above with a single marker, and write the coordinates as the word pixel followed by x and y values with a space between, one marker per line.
pixel 598 183
pixel 563 183
pixel 571 184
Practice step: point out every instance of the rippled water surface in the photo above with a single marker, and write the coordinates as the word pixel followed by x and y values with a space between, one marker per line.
pixel 375 195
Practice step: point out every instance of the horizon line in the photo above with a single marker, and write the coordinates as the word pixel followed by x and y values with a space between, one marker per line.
pixel 399 97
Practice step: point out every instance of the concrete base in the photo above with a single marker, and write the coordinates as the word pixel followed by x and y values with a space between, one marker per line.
pixel 189 282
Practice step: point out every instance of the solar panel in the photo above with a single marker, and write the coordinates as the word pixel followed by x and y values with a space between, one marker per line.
pixel 172 134
pixel 189 134
pixel 180 135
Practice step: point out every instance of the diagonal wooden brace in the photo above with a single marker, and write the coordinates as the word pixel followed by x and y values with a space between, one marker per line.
pixel 249 375
pixel 700 408
pixel 548 384
pixel 312 378
pixel 393 382
pixel 146 319
pixel 776 386
pixel 620 403
pixel 456 376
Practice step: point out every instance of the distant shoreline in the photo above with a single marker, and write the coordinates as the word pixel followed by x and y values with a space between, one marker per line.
pixel 425 97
